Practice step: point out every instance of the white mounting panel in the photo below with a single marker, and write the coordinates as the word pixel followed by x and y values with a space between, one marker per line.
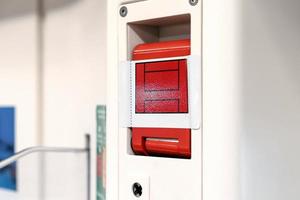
pixel 171 179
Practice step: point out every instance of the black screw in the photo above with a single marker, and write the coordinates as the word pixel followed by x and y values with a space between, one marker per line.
pixel 123 11
pixel 137 189
pixel 194 2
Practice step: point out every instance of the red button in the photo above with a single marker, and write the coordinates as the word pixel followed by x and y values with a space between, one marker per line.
pixel 161 87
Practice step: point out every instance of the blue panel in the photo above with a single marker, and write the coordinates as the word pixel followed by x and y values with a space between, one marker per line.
pixel 7 146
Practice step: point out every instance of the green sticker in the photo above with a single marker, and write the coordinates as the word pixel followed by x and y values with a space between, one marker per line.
pixel 101 152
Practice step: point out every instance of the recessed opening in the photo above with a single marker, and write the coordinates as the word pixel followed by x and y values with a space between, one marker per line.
pixel 156 30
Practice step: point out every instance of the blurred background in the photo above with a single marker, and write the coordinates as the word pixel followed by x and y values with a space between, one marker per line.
pixel 53 75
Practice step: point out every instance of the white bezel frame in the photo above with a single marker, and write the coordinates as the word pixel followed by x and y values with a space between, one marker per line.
pixel 176 174
pixel 129 118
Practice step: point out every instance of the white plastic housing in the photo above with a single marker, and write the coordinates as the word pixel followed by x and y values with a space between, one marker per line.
pixel 171 179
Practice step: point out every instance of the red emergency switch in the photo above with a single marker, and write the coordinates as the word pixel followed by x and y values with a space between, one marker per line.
pixel 162 142
pixel 161 87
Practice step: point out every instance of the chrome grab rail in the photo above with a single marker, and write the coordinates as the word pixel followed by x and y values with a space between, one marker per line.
pixel 37 149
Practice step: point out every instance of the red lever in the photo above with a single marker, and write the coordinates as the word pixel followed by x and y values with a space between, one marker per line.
pixel 161 87
pixel 170 142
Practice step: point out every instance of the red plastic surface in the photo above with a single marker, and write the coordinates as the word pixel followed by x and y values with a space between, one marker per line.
pixel 162 87
pixel 162 142
pixel 165 49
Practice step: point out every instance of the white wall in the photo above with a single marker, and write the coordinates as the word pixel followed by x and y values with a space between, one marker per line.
pixel 18 79
pixel 251 74
pixel 74 72
pixel 72 76
pixel 270 86
pixel 18 66
pixel 74 69
pixel 112 109
pixel 221 100
pixel 7 195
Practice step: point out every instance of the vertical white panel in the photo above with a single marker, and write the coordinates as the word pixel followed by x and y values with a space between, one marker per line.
pixel 74 72
pixel 221 99
pixel 112 100
pixel 18 66
pixel 18 81
pixel 270 72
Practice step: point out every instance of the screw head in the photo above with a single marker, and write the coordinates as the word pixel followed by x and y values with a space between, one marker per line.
pixel 193 2
pixel 137 190
pixel 123 11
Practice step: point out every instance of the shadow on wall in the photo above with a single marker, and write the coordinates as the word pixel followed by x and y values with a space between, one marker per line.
pixel 16 8
pixel 270 66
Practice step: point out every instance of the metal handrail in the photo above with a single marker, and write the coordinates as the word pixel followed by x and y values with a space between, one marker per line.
pixel 37 149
